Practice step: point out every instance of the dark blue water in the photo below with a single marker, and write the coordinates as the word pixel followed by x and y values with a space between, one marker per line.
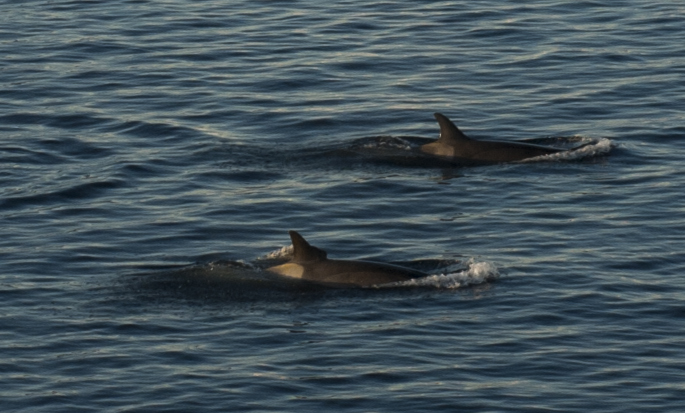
pixel 154 154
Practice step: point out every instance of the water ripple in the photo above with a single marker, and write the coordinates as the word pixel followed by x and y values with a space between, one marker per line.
pixel 153 154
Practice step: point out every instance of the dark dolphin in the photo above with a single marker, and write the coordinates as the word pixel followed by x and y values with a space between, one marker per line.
pixel 311 264
pixel 453 144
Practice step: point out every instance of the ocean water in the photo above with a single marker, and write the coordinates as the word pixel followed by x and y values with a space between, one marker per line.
pixel 154 155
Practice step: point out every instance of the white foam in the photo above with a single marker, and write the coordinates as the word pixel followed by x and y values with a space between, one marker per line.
pixel 283 253
pixel 601 147
pixel 388 142
pixel 476 273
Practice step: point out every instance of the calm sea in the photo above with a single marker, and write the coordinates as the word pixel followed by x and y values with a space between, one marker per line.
pixel 154 155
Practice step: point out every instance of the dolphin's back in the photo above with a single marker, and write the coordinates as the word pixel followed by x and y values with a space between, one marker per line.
pixel 359 273
pixel 311 264
pixel 499 151
pixel 454 144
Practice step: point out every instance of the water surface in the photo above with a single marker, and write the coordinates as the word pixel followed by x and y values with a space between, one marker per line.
pixel 153 156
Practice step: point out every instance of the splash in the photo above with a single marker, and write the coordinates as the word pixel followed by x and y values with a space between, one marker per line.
pixel 601 147
pixel 476 273
pixel 283 253
pixel 224 264
pixel 384 142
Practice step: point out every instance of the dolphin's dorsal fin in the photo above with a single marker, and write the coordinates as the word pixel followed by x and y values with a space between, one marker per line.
pixel 302 251
pixel 449 133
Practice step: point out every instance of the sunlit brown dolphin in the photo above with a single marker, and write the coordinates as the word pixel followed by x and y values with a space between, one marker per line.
pixel 311 264
pixel 454 144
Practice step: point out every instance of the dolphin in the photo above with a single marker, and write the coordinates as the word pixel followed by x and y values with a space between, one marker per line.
pixel 454 145
pixel 311 264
